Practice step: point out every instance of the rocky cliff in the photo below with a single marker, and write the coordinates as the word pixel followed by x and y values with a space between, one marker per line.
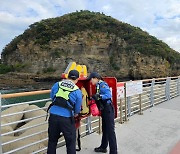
pixel 102 43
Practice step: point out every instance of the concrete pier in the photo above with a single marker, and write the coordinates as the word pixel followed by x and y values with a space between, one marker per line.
pixel 157 131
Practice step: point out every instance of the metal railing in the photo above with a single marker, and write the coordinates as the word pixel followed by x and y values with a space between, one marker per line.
pixel 155 91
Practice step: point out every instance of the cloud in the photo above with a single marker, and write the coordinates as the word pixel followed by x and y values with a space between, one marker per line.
pixel 16 17
pixel 168 30
pixel 68 6
pixel 159 18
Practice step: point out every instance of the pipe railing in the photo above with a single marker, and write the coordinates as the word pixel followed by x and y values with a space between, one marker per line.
pixel 155 91
pixel 31 93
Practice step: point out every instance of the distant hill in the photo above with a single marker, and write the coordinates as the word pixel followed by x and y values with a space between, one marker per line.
pixel 101 42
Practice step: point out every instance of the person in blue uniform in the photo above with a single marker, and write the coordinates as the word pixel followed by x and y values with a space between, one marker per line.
pixel 66 104
pixel 104 102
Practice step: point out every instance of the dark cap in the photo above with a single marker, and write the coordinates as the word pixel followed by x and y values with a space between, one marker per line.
pixel 73 74
pixel 93 75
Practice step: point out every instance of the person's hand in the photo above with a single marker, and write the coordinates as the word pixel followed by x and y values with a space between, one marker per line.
pixel 96 97
pixel 76 115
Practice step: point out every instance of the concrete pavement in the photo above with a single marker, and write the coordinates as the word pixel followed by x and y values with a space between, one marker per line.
pixel 157 131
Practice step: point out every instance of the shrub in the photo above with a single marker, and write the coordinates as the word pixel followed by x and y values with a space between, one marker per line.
pixel 5 69
pixel 49 70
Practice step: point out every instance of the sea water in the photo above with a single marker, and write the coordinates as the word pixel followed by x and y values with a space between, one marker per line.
pixel 24 98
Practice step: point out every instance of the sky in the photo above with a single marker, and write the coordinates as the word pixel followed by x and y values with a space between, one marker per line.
pixel 160 18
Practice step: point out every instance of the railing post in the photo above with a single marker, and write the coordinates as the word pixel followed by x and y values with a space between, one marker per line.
pixel 129 106
pixel 125 102
pixel 120 109
pixel 167 89
pixel 178 86
pixel 0 127
pixel 88 126
pixel 140 105
pixel 152 93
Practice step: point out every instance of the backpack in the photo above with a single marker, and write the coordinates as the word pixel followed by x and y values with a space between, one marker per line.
pixel 85 106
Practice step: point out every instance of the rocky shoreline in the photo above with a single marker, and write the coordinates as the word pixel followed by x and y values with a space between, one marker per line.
pixel 26 80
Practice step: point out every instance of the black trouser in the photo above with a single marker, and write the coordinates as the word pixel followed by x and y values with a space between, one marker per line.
pixel 108 129
pixel 58 124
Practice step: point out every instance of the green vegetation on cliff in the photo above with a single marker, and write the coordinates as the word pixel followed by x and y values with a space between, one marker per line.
pixel 41 33
pixel 10 68
pixel 4 69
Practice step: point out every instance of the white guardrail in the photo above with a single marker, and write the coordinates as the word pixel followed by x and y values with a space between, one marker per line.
pixel 28 134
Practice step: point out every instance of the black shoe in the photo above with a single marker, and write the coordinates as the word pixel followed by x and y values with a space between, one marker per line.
pixel 99 149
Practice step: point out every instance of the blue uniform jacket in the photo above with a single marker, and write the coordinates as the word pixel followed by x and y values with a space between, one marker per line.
pixel 104 91
pixel 75 97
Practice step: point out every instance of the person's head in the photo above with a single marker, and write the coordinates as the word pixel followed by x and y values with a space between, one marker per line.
pixel 73 75
pixel 94 77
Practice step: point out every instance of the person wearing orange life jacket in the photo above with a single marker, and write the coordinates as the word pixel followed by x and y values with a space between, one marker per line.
pixel 104 102
pixel 66 103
